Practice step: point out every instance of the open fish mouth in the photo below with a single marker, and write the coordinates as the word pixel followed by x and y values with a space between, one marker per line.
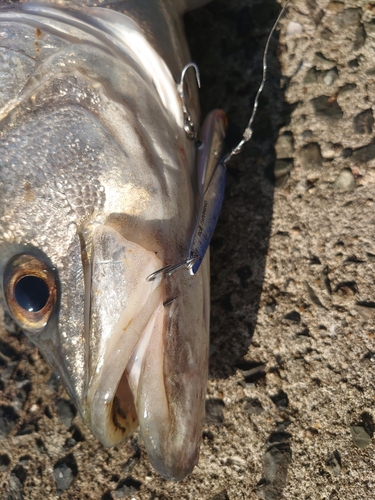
pixel 140 373
pixel 125 310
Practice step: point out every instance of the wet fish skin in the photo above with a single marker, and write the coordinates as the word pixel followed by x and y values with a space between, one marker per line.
pixel 98 186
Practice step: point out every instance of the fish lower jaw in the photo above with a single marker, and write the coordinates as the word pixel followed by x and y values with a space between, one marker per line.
pixel 113 417
pixel 123 410
pixel 114 406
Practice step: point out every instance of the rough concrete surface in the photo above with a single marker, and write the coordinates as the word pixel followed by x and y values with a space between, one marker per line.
pixel 290 404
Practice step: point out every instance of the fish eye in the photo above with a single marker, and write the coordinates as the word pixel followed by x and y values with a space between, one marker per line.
pixel 30 291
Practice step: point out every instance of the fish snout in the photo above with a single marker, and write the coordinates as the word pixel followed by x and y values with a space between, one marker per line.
pixel 148 356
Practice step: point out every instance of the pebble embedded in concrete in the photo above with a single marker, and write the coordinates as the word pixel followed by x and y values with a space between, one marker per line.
pixel 310 156
pixel 345 181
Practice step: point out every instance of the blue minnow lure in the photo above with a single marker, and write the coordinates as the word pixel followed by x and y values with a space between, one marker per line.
pixel 211 178
pixel 211 168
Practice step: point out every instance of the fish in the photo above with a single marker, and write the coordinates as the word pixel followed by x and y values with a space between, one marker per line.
pixel 109 193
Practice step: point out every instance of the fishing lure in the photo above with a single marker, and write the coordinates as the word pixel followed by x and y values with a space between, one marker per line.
pixel 211 167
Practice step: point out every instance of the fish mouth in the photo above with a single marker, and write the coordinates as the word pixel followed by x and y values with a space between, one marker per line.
pixel 148 360
pixel 141 397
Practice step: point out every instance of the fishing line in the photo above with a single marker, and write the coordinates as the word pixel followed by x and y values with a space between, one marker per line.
pixel 249 131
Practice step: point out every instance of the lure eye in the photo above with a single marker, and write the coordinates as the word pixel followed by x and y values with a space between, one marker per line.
pixel 30 292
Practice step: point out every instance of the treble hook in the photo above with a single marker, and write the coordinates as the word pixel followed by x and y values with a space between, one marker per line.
pixel 189 125
pixel 168 270
pixel 197 74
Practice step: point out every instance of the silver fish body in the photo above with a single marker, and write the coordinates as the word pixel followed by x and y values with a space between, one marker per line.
pixel 98 189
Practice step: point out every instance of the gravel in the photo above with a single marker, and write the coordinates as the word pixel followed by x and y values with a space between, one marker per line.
pixel 291 388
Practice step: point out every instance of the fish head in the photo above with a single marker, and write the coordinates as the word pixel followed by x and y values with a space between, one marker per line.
pixel 98 191
pixel 128 351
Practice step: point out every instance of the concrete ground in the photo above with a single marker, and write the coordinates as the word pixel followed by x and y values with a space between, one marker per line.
pixel 290 404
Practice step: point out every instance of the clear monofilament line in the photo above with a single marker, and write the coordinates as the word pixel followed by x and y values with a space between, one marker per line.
pixel 249 131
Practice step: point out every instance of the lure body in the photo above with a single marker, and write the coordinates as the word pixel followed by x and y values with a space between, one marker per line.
pixel 99 188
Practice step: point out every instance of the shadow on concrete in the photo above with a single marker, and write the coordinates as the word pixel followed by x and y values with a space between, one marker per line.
pixel 227 39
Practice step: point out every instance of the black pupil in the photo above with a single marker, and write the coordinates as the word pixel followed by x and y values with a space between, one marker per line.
pixel 31 293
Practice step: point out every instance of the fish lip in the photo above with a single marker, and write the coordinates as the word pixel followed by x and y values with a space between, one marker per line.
pixel 171 420
pixel 178 465
pixel 113 409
